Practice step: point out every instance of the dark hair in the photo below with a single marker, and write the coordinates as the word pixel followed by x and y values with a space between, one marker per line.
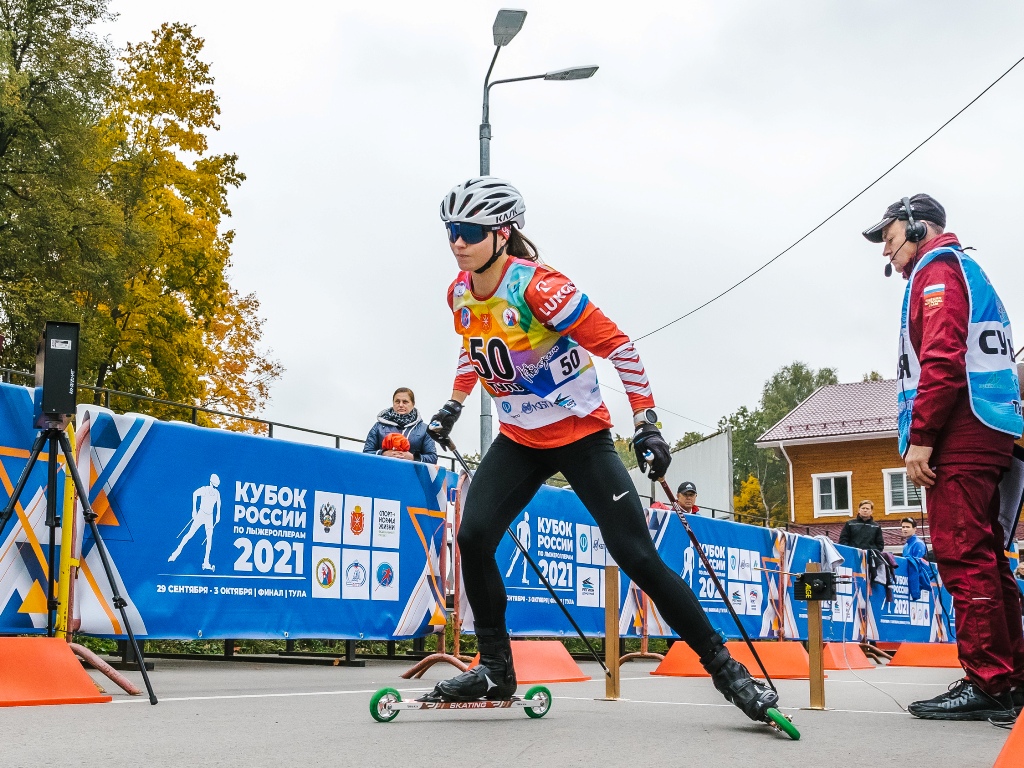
pixel 520 246
pixel 406 390
pixel 912 521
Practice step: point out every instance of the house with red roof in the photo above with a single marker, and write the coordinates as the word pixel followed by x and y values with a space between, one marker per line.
pixel 840 445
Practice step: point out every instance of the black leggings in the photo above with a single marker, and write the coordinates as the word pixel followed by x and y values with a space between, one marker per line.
pixel 511 474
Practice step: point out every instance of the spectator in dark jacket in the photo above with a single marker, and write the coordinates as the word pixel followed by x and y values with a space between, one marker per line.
pixel 400 433
pixel 863 532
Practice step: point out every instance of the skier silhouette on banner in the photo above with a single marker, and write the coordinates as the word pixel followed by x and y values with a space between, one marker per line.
pixel 523 534
pixel 205 501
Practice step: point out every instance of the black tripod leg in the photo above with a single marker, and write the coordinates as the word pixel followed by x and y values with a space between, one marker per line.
pixel 90 518
pixel 37 448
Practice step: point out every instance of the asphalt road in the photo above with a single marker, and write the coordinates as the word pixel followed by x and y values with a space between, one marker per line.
pixel 253 715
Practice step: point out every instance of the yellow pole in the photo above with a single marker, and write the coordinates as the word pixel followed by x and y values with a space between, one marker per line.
pixel 611 631
pixel 67 539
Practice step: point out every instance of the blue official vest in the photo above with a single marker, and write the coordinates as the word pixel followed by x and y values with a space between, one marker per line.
pixel 991 373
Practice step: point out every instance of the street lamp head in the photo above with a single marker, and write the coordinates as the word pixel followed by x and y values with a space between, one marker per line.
pixel 507 24
pixel 574 73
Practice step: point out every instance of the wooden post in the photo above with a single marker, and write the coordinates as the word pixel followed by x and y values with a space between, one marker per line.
pixel 815 649
pixel 611 631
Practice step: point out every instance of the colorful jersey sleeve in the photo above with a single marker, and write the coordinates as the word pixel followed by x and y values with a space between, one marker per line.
pixel 563 308
pixel 465 374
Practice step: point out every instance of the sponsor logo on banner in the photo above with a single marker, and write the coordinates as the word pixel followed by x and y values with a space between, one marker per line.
pixel 355 574
pixel 506 407
pixel 583 546
pixel 755 599
pixel 327 508
pixel 325 572
pixel 734 563
pixel 357 530
pixel 597 549
pixel 387 518
pixel 738 596
pixel 588 583
pixel 385 576
pixel 744 567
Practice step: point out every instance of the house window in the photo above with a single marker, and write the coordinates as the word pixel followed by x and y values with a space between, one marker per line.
pixel 832 494
pixel 901 495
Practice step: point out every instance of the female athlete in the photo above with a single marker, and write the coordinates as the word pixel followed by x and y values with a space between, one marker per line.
pixel 528 334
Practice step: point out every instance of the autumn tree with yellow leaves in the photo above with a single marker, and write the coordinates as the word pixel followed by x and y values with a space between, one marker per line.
pixel 113 209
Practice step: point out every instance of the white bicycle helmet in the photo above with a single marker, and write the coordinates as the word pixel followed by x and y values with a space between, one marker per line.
pixel 485 200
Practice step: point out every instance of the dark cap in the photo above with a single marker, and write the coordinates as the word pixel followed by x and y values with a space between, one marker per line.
pixel 924 208
pixel 686 487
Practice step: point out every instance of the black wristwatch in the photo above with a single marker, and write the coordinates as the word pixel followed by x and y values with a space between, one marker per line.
pixel 646 416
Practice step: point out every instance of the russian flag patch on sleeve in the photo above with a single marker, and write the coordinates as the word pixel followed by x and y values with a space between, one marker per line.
pixel 934 295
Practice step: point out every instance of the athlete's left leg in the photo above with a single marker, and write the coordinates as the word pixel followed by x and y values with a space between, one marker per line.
pixel 599 478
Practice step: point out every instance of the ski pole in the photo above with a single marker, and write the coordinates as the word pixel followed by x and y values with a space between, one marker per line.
pixel 714 577
pixel 543 578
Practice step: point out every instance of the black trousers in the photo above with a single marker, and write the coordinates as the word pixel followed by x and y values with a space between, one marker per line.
pixel 508 478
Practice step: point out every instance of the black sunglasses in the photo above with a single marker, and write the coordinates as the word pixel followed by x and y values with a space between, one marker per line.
pixel 471 234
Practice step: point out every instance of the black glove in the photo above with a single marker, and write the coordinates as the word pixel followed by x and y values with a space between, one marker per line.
pixel 652 452
pixel 441 424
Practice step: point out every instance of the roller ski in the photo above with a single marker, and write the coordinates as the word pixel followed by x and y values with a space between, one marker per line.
pixel 756 700
pixel 387 703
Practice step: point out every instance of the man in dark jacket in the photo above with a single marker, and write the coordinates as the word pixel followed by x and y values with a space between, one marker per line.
pixel 863 532
pixel 959 413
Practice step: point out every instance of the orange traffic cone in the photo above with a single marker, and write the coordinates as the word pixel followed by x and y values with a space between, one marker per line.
pixel 784 660
pixel 926 655
pixel 43 670
pixel 543 661
pixel 845 656
pixel 1012 753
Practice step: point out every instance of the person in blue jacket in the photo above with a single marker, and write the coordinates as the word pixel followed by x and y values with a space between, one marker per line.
pixel 403 420
pixel 912 546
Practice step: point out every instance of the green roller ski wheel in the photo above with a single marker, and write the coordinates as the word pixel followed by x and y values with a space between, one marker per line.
pixel 783 723
pixel 379 705
pixel 542 693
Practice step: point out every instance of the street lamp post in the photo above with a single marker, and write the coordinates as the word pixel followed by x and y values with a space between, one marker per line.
pixel 507 24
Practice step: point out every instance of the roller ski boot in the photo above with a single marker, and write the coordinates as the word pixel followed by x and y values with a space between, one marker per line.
pixel 493 678
pixel 754 698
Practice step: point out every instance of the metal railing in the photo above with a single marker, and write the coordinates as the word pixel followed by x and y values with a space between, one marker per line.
pixel 102 396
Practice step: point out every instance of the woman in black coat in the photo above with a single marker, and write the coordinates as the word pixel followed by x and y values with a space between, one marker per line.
pixel 410 441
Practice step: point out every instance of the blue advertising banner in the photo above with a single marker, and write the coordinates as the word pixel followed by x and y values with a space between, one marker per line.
pixel 24 543
pixel 566 543
pixel 742 557
pixel 898 615
pixel 216 534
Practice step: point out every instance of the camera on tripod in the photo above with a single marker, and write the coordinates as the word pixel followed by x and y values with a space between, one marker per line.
pixel 57 374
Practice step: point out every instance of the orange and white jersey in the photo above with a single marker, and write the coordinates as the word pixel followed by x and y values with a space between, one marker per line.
pixel 529 342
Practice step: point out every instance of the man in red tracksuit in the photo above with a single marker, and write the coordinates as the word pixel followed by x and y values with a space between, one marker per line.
pixel 957 457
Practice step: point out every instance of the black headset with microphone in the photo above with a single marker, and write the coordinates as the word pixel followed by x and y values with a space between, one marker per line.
pixel 916 231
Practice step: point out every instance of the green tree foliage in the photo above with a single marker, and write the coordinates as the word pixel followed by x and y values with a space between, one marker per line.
pixel 873 376
pixel 688 439
pixel 624 447
pixel 112 210
pixel 787 388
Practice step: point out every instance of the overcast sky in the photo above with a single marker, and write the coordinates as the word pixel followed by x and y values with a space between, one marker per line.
pixel 713 136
